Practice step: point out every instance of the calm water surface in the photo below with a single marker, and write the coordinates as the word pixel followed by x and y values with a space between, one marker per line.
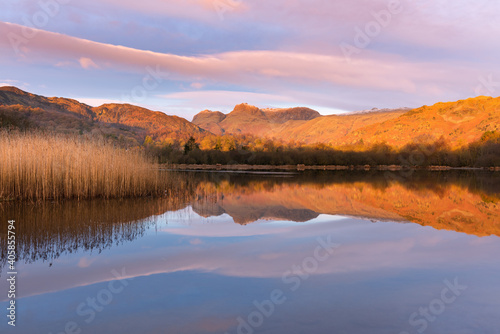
pixel 281 253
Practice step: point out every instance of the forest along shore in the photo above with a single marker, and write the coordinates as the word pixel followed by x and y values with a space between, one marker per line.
pixel 301 167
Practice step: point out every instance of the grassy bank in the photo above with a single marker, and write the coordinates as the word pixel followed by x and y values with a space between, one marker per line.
pixel 299 167
pixel 39 166
pixel 483 153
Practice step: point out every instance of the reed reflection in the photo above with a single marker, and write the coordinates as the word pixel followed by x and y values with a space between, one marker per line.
pixel 462 202
pixel 47 230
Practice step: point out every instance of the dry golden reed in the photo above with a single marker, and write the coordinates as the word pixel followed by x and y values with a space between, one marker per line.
pixel 40 166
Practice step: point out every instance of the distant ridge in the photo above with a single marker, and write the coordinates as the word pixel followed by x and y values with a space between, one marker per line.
pixel 375 110
pixel 455 124
pixel 248 119
pixel 125 122
pixel 209 120
pixel 291 124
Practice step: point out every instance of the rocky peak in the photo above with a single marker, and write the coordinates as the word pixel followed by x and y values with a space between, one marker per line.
pixel 208 116
pixel 291 114
pixel 245 108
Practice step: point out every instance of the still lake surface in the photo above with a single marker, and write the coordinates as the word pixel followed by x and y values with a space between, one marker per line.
pixel 338 252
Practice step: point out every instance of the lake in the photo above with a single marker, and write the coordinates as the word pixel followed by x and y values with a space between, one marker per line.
pixel 313 252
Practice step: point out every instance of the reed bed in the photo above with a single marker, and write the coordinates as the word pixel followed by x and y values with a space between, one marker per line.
pixel 36 166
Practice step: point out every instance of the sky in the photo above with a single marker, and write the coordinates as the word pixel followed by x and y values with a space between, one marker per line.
pixel 184 56
pixel 186 269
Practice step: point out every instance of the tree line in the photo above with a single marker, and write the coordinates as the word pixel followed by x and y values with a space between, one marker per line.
pixel 250 150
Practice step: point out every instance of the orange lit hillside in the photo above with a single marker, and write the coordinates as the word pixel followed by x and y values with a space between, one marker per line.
pixel 459 123
pixel 453 124
pixel 451 207
pixel 333 129
pixel 124 122
pixel 247 119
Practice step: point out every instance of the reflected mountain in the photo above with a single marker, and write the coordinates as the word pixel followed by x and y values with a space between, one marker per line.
pixel 459 201
pixel 244 213
pixel 463 202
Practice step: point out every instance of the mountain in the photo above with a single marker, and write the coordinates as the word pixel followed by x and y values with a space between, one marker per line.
pixel 291 124
pixel 449 206
pixel 209 120
pixel 334 129
pixel 248 119
pixel 374 110
pixel 454 124
pixel 127 123
pixel 10 96
pixel 155 124
pixel 458 123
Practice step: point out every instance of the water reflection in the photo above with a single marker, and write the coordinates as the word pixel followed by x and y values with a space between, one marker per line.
pixel 192 267
pixel 47 230
pixel 462 202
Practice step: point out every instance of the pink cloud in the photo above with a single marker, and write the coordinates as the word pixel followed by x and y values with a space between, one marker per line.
pixel 392 246
pixel 8 82
pixel 64 64
pixel 85 262
pixel 87 63
pixel 197 85
pixel 250 68
pixel 323 24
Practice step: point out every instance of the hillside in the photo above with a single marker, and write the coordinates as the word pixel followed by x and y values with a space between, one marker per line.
pixel 210 121
pixel 333 129
pixel 449 207
pixel 459 123
pixel 10 96
pixel 454 124
pixel 293 124
pixel 127 123
pixel 247 119
pixel 158 125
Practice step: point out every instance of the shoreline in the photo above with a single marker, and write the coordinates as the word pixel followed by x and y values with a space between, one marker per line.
pixel 392 168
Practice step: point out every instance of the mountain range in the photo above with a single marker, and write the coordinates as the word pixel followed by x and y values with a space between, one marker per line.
pixel 123 122
pixel 458 123
pixel 449 206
